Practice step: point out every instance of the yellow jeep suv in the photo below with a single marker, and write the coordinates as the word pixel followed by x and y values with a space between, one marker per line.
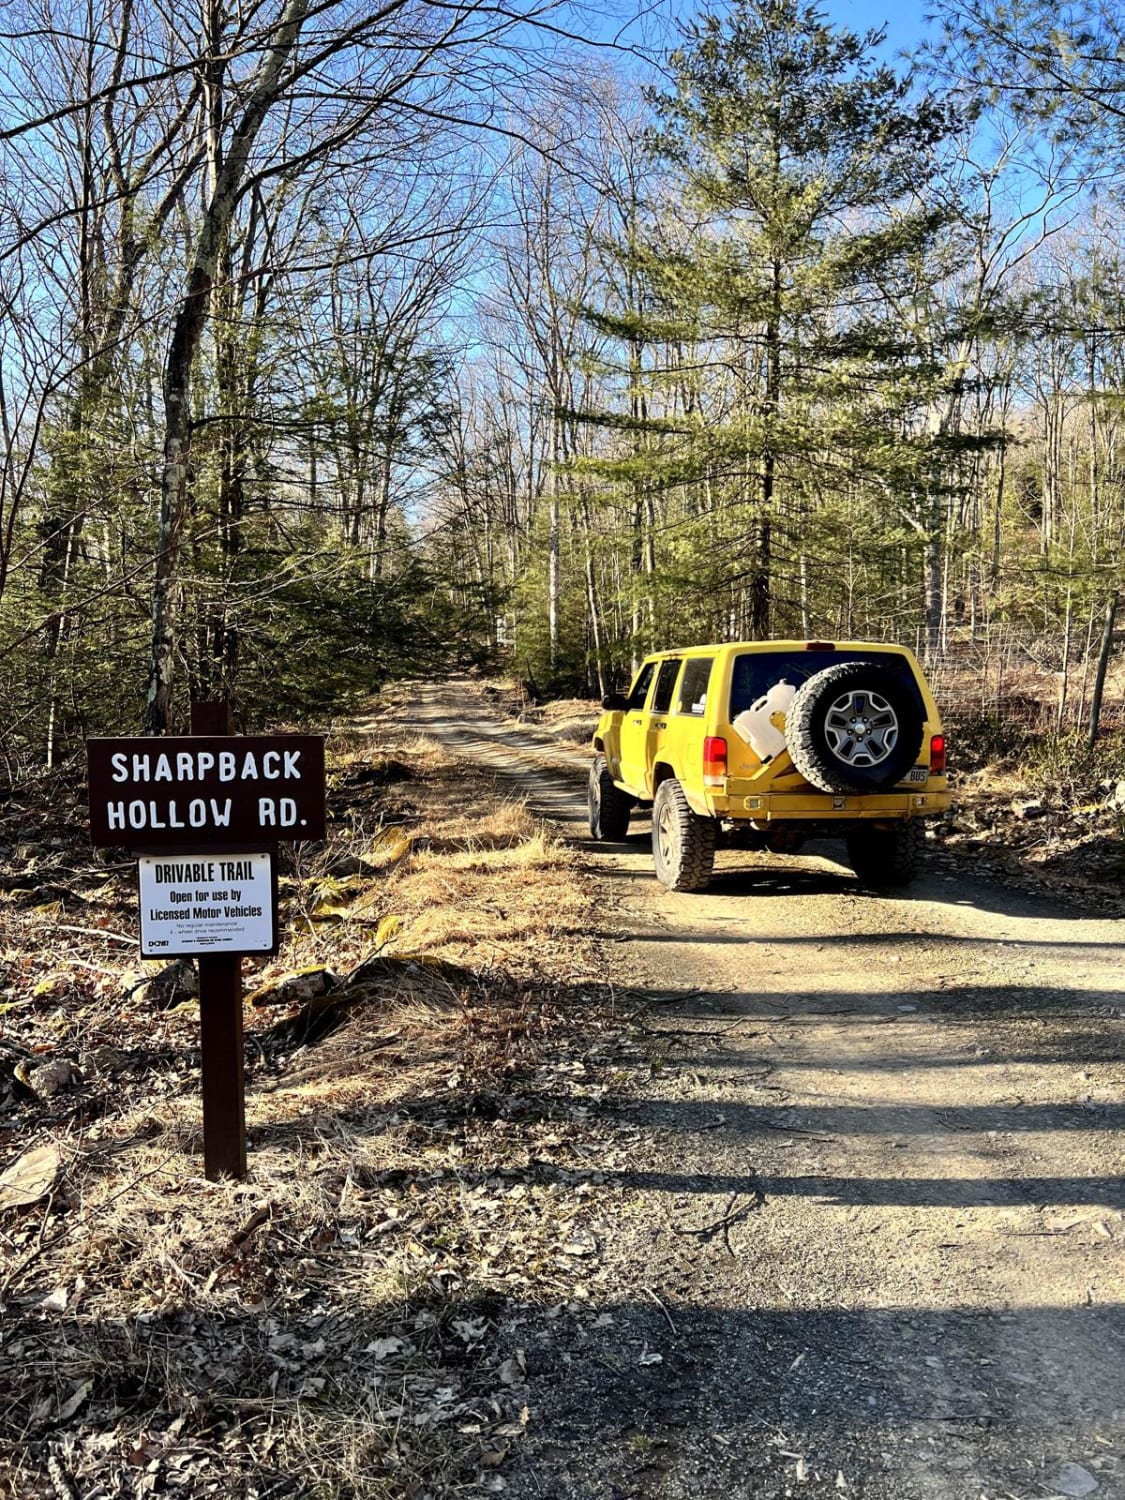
pixel 779 741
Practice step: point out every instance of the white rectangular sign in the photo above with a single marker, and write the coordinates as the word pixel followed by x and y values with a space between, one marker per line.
pixel 206 903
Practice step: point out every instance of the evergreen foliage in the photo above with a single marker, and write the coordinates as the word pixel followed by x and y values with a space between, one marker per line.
pixel 781 345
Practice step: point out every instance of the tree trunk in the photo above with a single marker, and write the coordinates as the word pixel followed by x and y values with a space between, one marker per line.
pixel 382 506
pixel 592 602
pixel 1064 675
pixel 1086 653
pixel 187 332
pixel 761 578
pixel 998 511
pixel 1103 667
pixel 233 388
pixel 932 589
pixel 173 516
pixel 553 541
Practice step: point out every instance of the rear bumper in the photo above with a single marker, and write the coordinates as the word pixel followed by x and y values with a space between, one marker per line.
pixel 768 807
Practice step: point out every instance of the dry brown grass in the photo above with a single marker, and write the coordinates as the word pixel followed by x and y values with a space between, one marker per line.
pixel 566 722
pixel 571 721
pixel 328 1327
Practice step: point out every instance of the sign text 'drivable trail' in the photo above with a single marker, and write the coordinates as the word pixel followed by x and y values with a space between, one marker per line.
pixel 207 905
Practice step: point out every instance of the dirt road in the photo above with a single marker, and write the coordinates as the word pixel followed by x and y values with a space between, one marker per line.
pixel 859 1227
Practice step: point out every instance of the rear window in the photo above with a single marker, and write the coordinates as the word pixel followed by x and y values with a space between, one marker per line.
pixel 640 687
pixel 755 673
pixel 662 698
pixel 693 686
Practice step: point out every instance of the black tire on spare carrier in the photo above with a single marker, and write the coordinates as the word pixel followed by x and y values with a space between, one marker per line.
pixel 887 857
pixel 609 805
pixel 855 727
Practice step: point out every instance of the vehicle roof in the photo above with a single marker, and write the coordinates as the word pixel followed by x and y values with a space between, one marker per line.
pixel 887 647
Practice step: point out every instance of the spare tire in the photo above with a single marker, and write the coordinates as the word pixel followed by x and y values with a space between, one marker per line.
pixel 855 727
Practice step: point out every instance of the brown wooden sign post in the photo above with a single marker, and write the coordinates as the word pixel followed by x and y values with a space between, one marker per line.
pixel 222 1046
pixel 188 804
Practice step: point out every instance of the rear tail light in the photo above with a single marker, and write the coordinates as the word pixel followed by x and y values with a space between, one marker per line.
pixel 820 646
pixel 937 755
pixel 714 760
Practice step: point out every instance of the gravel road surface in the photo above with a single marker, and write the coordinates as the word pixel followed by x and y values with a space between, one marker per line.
pixel 860 1232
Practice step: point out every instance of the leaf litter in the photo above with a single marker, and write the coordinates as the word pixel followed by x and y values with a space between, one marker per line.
pixel 340 1321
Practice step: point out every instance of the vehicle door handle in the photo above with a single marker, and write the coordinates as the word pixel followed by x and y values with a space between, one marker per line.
pixel 638 721
pixel 660 724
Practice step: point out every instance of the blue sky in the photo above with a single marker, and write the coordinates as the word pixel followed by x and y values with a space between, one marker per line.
pixel 651 23
pixel 904 21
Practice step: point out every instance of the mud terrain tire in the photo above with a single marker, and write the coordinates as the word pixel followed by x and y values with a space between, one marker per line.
pixel 609 806
pixel 884 858
pixel 854 727
pixel 683 843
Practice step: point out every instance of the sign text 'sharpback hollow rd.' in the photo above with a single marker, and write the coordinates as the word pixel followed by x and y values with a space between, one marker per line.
pixel 206 790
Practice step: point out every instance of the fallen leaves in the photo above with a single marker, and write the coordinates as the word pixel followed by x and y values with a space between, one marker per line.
pixel 76 1399
pixel 580 1243
pixel 361 1288
pixel 1074 1481
pixel 49 1078
pixel 30 1178
pixel 513 1370
pixel 384 1348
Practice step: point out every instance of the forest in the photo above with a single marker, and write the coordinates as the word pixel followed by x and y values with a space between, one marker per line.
pixel 393 376
pixel 342 344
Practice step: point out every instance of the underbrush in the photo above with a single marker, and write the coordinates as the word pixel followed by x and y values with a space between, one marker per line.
pixel 339 1323
pixel 1040 806
pixel 1040 762
pixel 1062 763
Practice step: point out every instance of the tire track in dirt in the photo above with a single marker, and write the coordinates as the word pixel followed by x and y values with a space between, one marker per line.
pixel 869 1236
pixel 549 777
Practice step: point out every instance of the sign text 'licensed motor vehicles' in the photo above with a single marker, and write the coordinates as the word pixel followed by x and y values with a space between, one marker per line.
pixel 207 904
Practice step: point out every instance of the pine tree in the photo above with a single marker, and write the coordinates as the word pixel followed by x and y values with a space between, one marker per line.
pixel 800 159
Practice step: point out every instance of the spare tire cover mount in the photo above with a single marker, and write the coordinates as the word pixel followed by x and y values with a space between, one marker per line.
pixel 854 727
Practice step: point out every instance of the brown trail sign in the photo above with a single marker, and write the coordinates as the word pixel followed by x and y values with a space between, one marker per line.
pixel 206 811
pixel 203 790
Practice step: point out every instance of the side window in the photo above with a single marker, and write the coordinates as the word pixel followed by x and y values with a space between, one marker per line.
pixel 640 688
pixel 693 688
pixel 665 682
